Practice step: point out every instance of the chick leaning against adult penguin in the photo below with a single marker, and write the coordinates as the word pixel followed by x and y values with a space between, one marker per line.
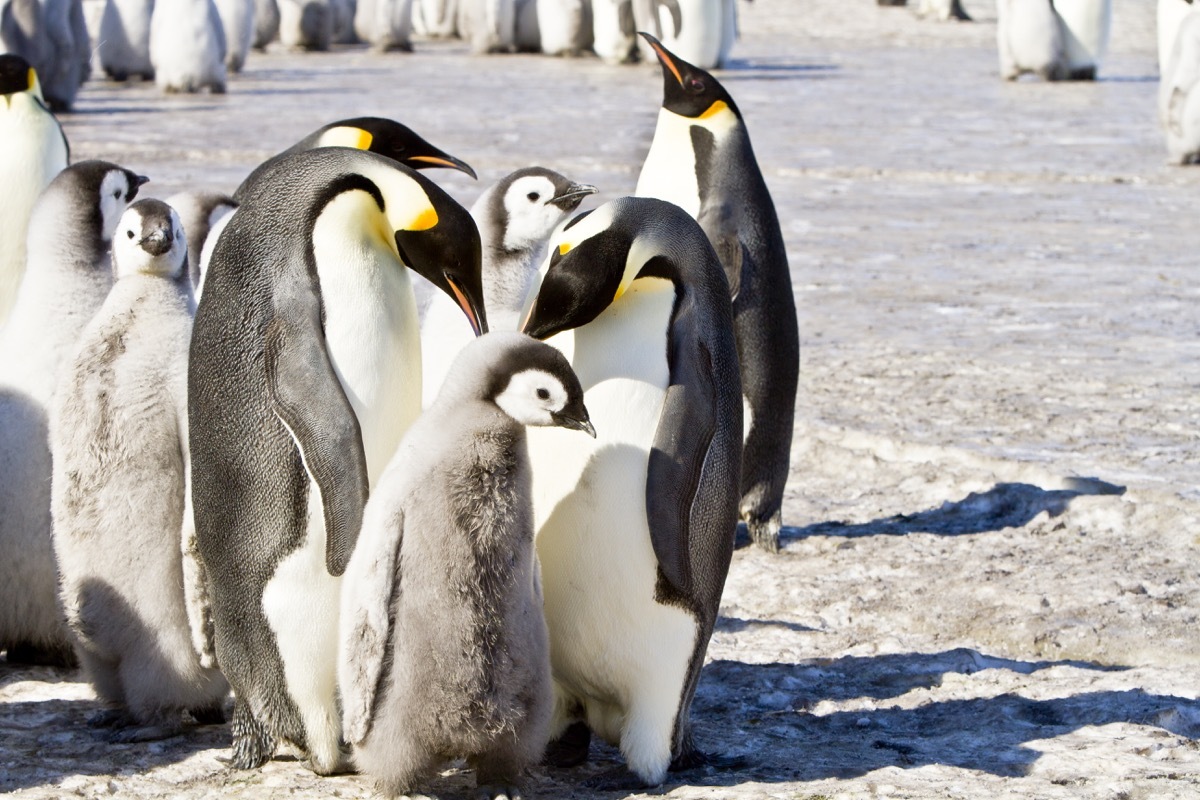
pixel 701 160
pixel 304 373
pixel 35 150
pixel 118 437
pixel 444 574
pixel 67 276
pixel 635 530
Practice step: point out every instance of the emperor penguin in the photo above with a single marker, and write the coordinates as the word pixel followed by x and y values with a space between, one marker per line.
pixel 124 42
pixel 201 214
pixel 118 437
pixel 701 160
pixel 1170 15
pixel 306 24
pixel 1086 27
pixel 67 277
pixel 386 25
pixel 187 46
pixel 35 150
pixel 701 32
pixel 378 135
pixel 1179 94
pixel 515 218
pixel 52 35
pixel 943 10
pixel 437 19
pixel 565 27
pixel 614 33
pixel 444 573
pixel 488 26
pixel 1029 38
pixel 635 530
pixel 266 23
pixel 304 373
pixel 237 23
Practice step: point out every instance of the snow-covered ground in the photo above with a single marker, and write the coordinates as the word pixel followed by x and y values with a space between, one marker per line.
pixel 991 579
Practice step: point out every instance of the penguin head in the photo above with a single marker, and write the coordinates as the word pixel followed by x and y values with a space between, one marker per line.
pixel 149 241
pixel 16 76
pixel 117 188
pixel 388 138
pixel 688 90
pixel 526 206
pixel 596 256
pixel 530 381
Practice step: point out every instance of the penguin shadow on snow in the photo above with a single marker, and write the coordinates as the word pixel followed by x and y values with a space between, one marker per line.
pixel 1005 505
pixel 46 741
pixel 738 69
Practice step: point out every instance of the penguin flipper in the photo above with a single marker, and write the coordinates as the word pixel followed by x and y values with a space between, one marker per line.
pixel 309 400
pixel 367 596
pixel 719 222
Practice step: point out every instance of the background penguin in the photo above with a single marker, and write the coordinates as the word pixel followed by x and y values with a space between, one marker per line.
pixel 702 161
pixel 386 25
pixel 488 26
pixel 515 218
pixel 564 27
pixel 454 508
pixel 305 24
pixel 200 212
pixel 614 34
pixel 266 23
pixel 304 373
pixel 35 150
pixel 635 531
pixel 437 19
pixel 1029 38
pixel 119 442
pixel 124 42
pixel 187 46
pixel 943 10
pixel 1086 27
pixel 67 277
pixel 1169 16
pixel 51 35
pixel 237 23
pixel 701 32
pixel 1178 98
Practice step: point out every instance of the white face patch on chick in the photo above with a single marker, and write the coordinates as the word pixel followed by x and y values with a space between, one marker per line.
pixel 150 240
pixel 115 196
pixel 533 397
pixel 531 214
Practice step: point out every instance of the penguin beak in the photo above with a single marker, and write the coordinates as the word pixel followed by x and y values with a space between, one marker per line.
pixel 441 160
pixel 664 57
pixel 575 419
pixel 468 306
pixel 570 199
pixel 156 243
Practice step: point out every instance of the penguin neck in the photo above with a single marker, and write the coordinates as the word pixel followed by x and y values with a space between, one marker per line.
pixel 673 166
pixel 507 278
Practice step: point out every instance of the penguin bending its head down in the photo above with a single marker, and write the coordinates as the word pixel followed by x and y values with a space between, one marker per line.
pixel 303 375
pixel 444 574
pixel 67 276
pixel 118 434
pixel 515 217
pixel 635 530
pixel 35 150
pixel 701 160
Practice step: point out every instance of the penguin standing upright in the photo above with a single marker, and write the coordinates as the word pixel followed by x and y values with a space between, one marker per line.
pixel 386 25
pixel 701 32
pixel 635 530
pixel 515 218
pixel 306 24
pixel 1086 27
pixel 124 43
pixel 304 372
pixel 237 21
pixel 444 574
pixel 266 23
pixel 118 436
pixel 51 35
pixel 1179 94
pixel 35 150
pixel 187 46
pixel 1029 38
pixel 1169 16
pixel 564 27
pixel 489 26
pixel 943 10
pixel 67 276
pixel 701 160
pixel 614 33
pixel 437 19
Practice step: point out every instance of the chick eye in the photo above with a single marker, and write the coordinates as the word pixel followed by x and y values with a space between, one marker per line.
pixel 129 234
pixel 543 394
pixel 533 197
pixel 117 193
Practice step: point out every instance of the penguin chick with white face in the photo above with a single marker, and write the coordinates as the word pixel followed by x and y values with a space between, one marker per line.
pixel 515 217
pixel 444 573
pixel 118 434
pixel 35 150
pixel 67 277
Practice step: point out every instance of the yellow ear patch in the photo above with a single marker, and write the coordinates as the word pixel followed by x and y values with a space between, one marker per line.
pixel 714 109
pixel 364 140
pixel 31 79
pixel 564 248
pixel 424 221
pixel 347 137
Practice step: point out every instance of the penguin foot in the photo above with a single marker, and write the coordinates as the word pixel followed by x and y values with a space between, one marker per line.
pixel 253 745
pixel 34 655
pixel 1084 74
pixel 765 533
pixel 490 792
pixel 111 718
pixel 212 715
pixel 146 733
pixel 698 759
pixel 570 749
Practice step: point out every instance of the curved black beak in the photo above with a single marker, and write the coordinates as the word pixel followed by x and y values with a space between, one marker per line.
pixel 440 159
pixel 570 198
pixel 664 57
pixel 156 243
pixel 576 419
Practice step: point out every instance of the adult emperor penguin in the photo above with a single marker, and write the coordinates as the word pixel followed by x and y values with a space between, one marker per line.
pixel 67 277
pixel 1179 94
pixel 1170 15
pixel 444 574
pixel 515 218
pixel 237 22
pixel 201 213
pixel 1029 38
pixel 635 530
pixel 35 150
pixel 614 34
pixel 489 26
pixel 304 372
pixel 386 25
pixel 187 46
pixel 1086 27
pixel 266 23
pixel 701 160
pixel 701 32
pixel 124 42
pixel 118 436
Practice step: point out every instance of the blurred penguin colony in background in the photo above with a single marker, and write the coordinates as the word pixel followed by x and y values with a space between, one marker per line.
pixel 235 457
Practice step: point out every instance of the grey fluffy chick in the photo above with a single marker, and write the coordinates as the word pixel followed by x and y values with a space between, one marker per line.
pixel 444 650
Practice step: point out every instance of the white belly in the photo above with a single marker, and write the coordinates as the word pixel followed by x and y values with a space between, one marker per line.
pixel 1170 15
pixel 444 333
pixel 669 172
pixel 1086 26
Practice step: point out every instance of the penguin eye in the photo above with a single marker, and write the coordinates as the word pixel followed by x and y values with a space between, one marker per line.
pixel 543 394
pixel 696 85
pixel 129 234
pixel 533 197
pixel 117 193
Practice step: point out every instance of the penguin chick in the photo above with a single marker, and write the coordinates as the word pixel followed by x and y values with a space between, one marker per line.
pixel 124 42
pixel 201 214
pixel 67 277
pixel 1178 98
pixel 1029 38
pixel 237 22
pixel 444 573
pixel 187 46
pixel 35 150
pixel 306 24
pixel 490 26
pixel 385 24
pixel 118 434
pixel 515 218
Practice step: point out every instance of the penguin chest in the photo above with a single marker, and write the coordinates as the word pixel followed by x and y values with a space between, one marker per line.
pixel 669 172
pixel 1086 26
